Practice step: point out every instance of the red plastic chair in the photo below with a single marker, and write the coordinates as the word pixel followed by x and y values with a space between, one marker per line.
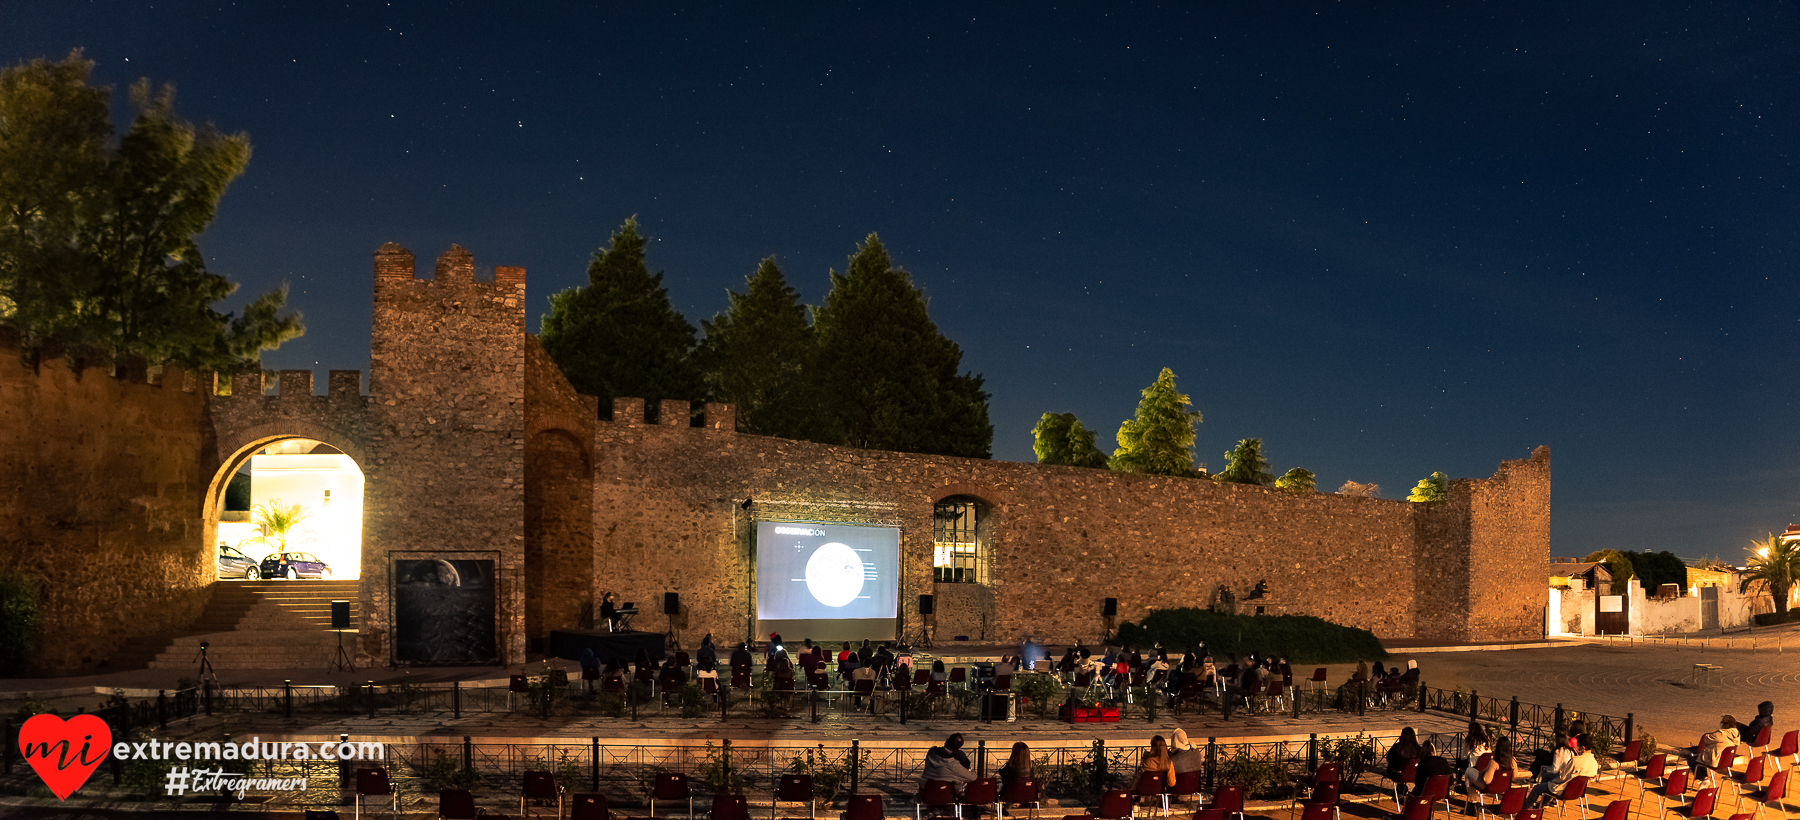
pixel 1318 678
pixel 372 781
pixel 863 807
pixel 1657 770
pixel 1574 791
pixel 1531 814
pixel 1762 740
pixel 1226 801
pixel 1187 784
pixel 1115 804
pixel 1775 793
pixel 1418 808
pixel 1022 791
pixel 795 788
pixel 456 804
pixel 1674 787
pixel 538 786
pixel 590 806
pixel 936 794
pixel 959 675
pixel 1329 771
pixel 1437 790
pixel 1628 759
pixel 671 786
pixel 1754 772
pixel 1319 811
pixel 921 677
pixel 1617 810
pixel 1323 795
pixel 1408 774
pixel 1497 788
pixel 1727 762
pixel 729 807
pixel 740 679
pixel 1513 802
pixel 1790 748
pixel 983 792
pixel 1704 802
pixel 1150 784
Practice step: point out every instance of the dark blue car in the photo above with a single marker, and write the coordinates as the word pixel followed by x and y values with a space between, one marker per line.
pixel 294 565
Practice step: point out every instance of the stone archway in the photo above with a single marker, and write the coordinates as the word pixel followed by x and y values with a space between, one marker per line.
pixel 559 533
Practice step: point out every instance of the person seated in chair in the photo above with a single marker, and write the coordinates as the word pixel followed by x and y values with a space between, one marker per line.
pixel 1703 758
pixel 609 612
pixel 947 762
pixel 1579 762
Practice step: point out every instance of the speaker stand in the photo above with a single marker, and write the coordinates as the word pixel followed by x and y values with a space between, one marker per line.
pixel 341 661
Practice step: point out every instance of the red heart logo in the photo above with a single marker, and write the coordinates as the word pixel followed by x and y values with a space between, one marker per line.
pixel 64 753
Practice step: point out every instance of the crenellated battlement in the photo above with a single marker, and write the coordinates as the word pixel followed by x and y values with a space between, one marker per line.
pixel 99 369
pixel 394 264
pixel 295 387
pixel 676 413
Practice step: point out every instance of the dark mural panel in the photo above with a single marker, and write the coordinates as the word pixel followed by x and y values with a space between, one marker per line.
pixel 444 611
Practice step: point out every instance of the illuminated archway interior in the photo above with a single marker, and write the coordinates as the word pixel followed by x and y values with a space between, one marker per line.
pixel 326 485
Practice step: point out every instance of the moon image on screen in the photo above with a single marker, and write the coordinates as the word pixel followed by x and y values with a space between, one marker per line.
pixel 834 574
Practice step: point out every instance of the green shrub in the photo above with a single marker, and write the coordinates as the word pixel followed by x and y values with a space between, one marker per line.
pixel 1302 639
pixel 721 776
pixel 1042 691
pixel 1354 754
pixel 1262 774
pixel 18 623
pixel 446 772
pixel 1771 618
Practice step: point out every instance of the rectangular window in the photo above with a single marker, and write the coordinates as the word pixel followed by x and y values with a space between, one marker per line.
pixel 956 547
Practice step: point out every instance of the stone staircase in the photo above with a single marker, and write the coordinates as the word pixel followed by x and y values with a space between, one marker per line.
pixel 256 625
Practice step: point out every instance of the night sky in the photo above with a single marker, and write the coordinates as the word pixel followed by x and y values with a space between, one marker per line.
pixel 1386 243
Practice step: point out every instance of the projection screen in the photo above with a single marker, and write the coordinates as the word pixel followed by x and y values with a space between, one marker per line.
pixel 827 581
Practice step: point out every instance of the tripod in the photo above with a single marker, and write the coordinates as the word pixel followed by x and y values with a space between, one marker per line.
pixel 207 675
pixel 341 661
pixel 927 625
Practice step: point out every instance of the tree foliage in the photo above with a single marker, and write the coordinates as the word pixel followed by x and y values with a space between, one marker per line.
pixel 755 353
pixel 618 335
pixel 1434 488
pixel 1299 481
pixel 1244 464
pixel 1060 438
pixel 98 240
pixel 1773 566
pixel 1159 440
pixel 1653 569
pixel 275 521
pixel 894 381
pixel 1618 564
pixel 1357 488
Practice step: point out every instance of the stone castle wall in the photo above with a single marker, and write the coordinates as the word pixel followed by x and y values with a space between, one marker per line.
pixel 474 445
pixel 440 437
pixel 98 485
pixel 666 518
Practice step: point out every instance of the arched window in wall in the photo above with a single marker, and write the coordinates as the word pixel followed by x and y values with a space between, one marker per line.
pixel 960 553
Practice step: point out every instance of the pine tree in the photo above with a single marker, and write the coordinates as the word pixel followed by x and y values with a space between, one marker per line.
pixel 1244 464
pixel 1298 481
pixel 619 335
pixel 1160 439
pixel 753 356
pixel 1060 438
pixel 890 380
pixel 1435 488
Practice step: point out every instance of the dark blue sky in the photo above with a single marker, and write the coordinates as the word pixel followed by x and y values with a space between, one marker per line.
pixel 1425 238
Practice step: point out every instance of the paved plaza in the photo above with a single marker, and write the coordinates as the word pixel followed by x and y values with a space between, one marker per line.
pixel 1655 682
